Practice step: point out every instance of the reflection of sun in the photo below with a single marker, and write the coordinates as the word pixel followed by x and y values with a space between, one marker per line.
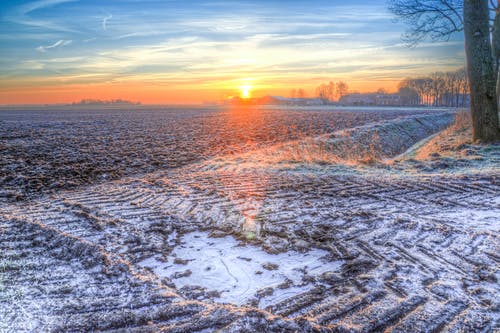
pixel 245 91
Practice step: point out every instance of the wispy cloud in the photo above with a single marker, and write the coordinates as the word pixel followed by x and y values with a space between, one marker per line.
pixel 20 15
pixel 31 6
pixel 59 43
pixel 105 21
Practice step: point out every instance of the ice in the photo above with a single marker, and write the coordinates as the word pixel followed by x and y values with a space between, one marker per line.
pixel 237 272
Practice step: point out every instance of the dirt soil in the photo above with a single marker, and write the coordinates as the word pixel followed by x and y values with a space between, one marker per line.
pixel 44 151
pixel 404 247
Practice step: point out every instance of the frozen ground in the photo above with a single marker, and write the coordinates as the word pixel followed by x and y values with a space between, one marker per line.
pixel 236 273
pixel 404 247
pixel 44 151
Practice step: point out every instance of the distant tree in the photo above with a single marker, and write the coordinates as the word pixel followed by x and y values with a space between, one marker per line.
pixel 442 89
pixel 301 93
pixel 298 93
pixel 409 96
pixel 437 87
pixel 449 89
pixel 381 91
pixel 325 92
pixel 420 86
pixel 341 89
pixel 427 87
pixel 331 91
pixel 439 19
pixel 462 86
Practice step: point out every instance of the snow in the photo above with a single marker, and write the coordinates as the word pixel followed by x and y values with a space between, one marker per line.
pixel 476 219
pixel 237 271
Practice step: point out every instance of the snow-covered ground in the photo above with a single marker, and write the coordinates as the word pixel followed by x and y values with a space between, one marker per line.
pixel 242 242
pixel 46 150
pixel 237 273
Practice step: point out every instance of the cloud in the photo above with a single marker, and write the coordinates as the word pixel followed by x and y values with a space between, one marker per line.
pixel 105 21
pixel 59 43
pixel 20 15
pixel 31 6
pixel 32 65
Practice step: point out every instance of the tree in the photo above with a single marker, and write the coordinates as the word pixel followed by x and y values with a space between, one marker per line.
pixel 437 86
pixel 298 93
pixel 301 93
pixel 463 85
pixel 416 85
pixel 449 79
pixel 484 103
pixel 434 19
pixel 443 89
pixel 341 89
pixel 408 95
pixel 325 92
pixel 439 19
pixel 330 91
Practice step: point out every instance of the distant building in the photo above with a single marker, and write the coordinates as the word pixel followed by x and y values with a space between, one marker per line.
pixel 388 99
pixel 290 101
pixel 98 102
pixel 372 99
pixel 358 99
pixel 274 100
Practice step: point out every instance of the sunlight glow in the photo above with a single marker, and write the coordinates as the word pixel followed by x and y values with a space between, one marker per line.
pixel 246 91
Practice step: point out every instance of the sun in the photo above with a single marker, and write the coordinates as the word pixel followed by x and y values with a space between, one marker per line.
pixel 246 91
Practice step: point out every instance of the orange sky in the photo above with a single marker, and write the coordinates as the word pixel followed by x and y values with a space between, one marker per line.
pixel 148 93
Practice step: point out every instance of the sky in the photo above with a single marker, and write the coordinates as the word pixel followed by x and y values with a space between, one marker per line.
pixel 184 52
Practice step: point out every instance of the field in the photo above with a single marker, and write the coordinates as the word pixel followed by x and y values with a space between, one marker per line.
pixel 48 150
pixel 263 220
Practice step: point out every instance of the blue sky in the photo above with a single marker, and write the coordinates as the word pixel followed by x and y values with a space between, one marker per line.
pixel 186 51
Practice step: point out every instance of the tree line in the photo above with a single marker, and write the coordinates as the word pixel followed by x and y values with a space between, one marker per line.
pixel 449 89
pixel 331 91
pixel 327 92
pixel 298 93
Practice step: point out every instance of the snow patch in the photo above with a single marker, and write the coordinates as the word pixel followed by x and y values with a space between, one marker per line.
pixel 239 272
pixel 475 219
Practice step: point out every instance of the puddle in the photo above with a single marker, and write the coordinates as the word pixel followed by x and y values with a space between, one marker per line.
pixel 239 272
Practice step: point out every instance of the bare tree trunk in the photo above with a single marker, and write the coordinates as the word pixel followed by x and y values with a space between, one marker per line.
pixel 464 99
pixel 482 78
pixel 452 97
pixel 495 42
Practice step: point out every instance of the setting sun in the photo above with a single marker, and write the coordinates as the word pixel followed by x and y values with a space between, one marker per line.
pixel 246 91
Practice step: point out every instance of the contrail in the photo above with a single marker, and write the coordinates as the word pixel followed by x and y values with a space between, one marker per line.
pixel 105 20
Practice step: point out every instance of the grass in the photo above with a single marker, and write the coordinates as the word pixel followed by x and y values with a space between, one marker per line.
pixel 323 151
pixel 451 140
pixel 372 145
